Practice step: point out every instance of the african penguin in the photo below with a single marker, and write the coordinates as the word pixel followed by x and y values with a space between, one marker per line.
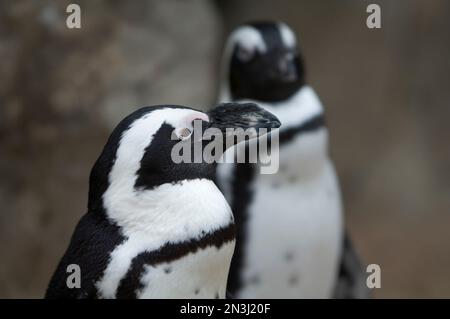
pixel 290 234
pixel 154 228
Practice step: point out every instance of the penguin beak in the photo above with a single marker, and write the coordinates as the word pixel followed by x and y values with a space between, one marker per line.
pixel 231 116
pixel 232 123
pixel 238 122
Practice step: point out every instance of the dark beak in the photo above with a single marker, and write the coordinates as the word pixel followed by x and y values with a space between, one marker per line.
pixel 242 115
pixel 233 123
pixel 230 124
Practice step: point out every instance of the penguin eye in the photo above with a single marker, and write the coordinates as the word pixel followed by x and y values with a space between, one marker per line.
pixel 185 132
pixel 181 134
pixel 245 54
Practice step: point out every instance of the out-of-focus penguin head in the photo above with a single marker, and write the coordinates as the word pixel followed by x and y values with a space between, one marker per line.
pixel 263 63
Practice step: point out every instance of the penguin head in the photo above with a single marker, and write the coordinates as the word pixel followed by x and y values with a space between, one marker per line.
pixel 264 63
pixel 138 154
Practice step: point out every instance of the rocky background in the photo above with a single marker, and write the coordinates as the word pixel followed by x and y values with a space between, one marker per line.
pixel 386 93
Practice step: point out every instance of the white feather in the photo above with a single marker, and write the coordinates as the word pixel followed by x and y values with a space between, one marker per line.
pixel 287 35
pixel 199 275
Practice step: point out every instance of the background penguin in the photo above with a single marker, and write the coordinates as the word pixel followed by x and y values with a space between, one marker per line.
pixel 290 239
pixel 155 229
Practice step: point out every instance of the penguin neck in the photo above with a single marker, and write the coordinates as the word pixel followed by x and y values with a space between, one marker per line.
pixel 303 135
pixel 184 209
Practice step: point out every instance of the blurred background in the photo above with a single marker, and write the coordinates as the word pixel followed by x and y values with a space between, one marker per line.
pixel 386 93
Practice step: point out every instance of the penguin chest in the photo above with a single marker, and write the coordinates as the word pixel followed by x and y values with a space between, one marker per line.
pixel 181 248
pixel 202 274
pixel 194 268
pixel 293 238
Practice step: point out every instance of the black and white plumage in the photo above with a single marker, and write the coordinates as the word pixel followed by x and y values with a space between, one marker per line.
pixel 290 234
pixel 155 229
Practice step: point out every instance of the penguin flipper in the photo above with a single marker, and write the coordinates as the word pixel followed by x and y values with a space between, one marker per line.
pixel 93 240
pixel 351 281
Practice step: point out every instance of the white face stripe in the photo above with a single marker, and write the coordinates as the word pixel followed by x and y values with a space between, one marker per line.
pixel 247 37
pixel 287 35
pixel 138 137
pixel 123 203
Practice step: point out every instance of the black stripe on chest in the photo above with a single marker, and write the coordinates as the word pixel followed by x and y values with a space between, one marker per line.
pixel 311 125
pixel 131 283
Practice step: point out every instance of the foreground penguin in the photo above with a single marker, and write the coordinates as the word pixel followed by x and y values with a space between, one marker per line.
pixel 290 238
pixel 155 229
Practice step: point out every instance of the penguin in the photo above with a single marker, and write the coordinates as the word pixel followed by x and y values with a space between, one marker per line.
pixel 291 239
pixel 154 227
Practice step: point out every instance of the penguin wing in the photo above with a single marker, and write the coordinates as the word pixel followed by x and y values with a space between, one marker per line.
pixel 92 242
pixel 351 281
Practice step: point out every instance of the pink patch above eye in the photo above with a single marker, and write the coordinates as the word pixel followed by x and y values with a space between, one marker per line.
pixel 197 116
